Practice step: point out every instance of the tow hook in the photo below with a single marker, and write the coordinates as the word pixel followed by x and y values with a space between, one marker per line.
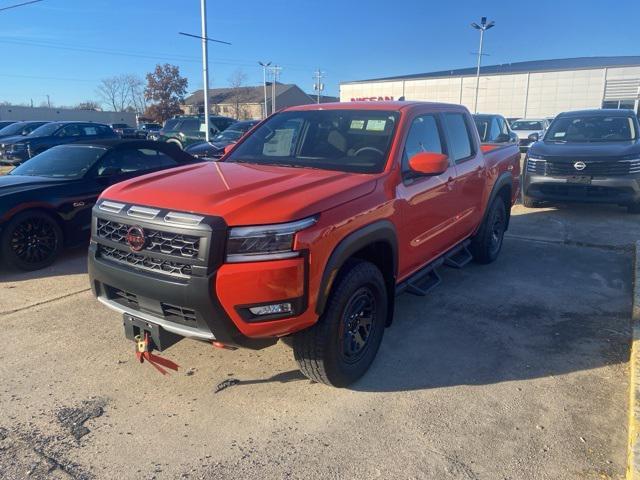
pixel 144 347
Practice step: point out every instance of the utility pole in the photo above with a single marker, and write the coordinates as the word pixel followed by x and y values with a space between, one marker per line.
pixel 205 61
pixel 483 27
pixel 48 101
pixel 264 66
pixel 318 86
pixel 205 67
pixel 275 71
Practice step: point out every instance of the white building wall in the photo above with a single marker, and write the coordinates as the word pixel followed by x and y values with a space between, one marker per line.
pixel 12 112
pixel 536 94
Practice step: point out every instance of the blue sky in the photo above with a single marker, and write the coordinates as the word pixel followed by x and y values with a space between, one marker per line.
pixel 64 47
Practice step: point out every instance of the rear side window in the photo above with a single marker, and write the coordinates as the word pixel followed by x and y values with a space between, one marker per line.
pixel 171 124
pixel 190 125
pixel 423 136
pixel 460 145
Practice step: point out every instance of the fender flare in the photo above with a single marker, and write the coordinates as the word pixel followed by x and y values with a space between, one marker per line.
pixel 505 179
pixel 382 230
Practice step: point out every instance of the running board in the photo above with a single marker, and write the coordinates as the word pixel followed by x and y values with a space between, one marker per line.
pixel 424 284
pixel 458 258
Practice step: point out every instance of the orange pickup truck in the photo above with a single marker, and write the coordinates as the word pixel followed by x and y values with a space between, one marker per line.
pixel 306 230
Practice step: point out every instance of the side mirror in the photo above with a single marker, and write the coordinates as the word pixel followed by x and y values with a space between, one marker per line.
pixel 429 163
pixel 109 172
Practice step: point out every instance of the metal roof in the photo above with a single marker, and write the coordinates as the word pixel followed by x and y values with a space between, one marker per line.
pixel 578 63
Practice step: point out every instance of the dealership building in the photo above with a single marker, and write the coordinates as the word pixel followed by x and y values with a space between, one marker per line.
pixel 538 88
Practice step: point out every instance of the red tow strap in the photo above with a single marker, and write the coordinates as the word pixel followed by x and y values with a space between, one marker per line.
pixel 143 353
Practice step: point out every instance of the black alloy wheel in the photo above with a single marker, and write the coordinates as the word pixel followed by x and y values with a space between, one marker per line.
pixel 31 241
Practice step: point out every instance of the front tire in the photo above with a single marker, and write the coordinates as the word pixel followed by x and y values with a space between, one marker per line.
pixel 31 241
pixel 341 346
pixel 487 243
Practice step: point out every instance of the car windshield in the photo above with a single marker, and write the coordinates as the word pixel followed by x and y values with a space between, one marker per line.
pixel 230 135
pixel 343 140
pixel 45 130
pixel 594 128
pixel 526 125
pixel 13 129
pixel 65 161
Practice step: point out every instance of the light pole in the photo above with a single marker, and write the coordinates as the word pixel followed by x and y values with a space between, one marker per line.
pixel 264 82
pixel 275 70
pixel 483 27
pixel 205 61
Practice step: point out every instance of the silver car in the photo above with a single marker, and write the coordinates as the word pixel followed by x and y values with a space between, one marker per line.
pixel 529 130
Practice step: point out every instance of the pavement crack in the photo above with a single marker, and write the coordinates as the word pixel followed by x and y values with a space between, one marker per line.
pixel 44 302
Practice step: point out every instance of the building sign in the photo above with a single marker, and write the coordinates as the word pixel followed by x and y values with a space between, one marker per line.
pixel 372 99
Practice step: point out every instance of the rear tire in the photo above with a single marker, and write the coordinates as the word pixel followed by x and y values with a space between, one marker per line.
pixel 487 243
pixel 341 346
pixel 31 240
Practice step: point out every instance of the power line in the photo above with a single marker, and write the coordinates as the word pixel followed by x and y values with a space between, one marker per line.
pixel 19 5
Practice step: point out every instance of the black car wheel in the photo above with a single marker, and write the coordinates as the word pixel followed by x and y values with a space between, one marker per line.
pixel 487 243
pixel 31 241
pixel 341 346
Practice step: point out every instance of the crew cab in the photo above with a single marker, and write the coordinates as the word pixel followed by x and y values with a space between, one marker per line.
pixel 586 156
pixel 306 230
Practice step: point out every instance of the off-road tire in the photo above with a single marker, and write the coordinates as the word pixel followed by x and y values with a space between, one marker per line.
pixel 51 237
pixel 320 349
pixel 487 243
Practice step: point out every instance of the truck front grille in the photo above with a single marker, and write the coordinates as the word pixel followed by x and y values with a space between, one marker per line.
pixel 167 243
pixel 593 167
pixel 145 262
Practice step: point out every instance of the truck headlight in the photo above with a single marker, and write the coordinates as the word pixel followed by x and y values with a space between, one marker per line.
pixel 265 242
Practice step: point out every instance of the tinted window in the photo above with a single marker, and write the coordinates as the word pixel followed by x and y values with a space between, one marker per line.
pixel 133 160
pixel 20 128
pixel 171 124
pixel 71 130
pixel 423 136
pixel 527 125
pixel 45 130
pixel 190 125
pixel 65 161
pixel 89 130
pixel 596 128
pixel 458 134
pixel 221 123
pixel 343 140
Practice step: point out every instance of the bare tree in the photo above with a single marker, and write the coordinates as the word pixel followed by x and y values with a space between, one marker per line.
pixel 137 100
pixel 114 92
pixel 239 93
pixel 88 105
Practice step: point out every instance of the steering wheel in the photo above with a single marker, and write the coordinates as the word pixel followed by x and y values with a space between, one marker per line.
pixel 365 149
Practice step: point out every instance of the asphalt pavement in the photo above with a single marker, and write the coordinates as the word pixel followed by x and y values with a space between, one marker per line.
pixel 515 370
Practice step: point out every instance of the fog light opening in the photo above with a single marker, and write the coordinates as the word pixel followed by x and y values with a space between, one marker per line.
pixel 274 309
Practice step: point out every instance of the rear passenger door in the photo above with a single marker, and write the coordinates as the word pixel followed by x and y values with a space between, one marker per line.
pixel 470 178
pixel 428 206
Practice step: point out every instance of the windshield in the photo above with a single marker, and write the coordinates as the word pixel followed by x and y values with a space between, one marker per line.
pixel 343 140
pixel 65 161
pixel 231 135
pixel 13 129
pixel 45 130
pixel 595 128
pixel 527 125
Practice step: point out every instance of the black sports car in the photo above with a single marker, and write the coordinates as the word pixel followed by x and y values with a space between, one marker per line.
pixel 46 203
pixel 215 148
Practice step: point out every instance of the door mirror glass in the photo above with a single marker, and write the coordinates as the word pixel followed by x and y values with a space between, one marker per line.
pixel 429 163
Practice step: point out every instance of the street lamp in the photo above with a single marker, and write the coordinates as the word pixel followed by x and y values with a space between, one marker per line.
pixel 483 27
pixel 264 82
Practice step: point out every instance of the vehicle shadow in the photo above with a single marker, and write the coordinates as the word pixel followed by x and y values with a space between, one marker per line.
pixel 540 310
pixel 72 261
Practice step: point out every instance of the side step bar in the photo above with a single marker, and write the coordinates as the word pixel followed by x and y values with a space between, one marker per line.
pixel 423 281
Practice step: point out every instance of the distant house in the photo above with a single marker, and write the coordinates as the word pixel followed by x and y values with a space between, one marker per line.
pixel 246 103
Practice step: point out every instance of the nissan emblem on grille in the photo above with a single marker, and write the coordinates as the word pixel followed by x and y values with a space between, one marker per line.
pixel 136 238
pixel 579 166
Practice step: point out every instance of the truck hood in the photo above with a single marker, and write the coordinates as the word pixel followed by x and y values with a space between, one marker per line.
pixel 587 149
pixel 244 194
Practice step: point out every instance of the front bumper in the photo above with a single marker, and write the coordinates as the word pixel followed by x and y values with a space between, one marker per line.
pixel 616 190
pixel 211 301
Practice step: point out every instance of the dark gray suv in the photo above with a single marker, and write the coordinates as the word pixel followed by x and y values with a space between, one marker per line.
pixel 586 156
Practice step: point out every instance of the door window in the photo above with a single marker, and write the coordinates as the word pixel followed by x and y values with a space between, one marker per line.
pixel 131 160
pixel 460 146
pixel 71 130
pixel 424 136
pixel 190 125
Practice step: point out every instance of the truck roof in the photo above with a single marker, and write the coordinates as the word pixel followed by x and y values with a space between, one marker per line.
pixel 381 105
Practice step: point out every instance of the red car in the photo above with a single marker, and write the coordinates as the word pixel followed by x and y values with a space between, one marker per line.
pixel 306 230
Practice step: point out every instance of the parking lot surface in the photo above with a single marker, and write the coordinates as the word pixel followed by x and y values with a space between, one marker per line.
pixel 515 370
